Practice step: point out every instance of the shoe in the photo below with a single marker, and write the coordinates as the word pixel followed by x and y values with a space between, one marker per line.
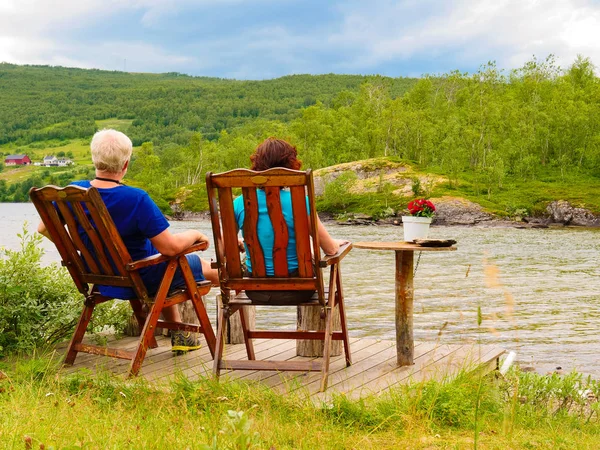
pixel 183 342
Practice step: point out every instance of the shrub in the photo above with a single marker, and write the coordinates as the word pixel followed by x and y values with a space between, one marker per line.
pixel 40 305
pixel 337 193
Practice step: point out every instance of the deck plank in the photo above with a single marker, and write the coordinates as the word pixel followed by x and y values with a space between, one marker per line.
pixel 192 366
pixel 273 378
pixel 361 358
pixel 363 361
pixel 373 372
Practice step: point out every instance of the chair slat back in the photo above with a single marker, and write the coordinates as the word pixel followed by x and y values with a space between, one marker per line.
pixel 225 229
pixel 64 211
pixel 257 257
pixel 280 231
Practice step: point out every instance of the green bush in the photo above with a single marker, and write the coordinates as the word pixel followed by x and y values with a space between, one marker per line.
pixel 337 193
pixel 40 305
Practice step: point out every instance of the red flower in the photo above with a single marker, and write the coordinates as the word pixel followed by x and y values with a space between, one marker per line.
pixel 421 208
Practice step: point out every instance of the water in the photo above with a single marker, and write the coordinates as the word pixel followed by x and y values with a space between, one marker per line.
pixel 539 290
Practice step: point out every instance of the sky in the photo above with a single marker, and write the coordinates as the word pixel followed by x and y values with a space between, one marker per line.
pixel 260 39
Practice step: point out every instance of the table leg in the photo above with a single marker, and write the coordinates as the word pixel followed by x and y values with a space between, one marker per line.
pixel 405 345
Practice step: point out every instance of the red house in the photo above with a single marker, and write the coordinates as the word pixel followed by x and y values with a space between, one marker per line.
pixel 17 160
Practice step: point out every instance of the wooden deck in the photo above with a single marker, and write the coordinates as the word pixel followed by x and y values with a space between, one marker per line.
pixel 373 370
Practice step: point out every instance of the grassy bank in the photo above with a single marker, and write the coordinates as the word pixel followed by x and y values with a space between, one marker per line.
pixel 42 410
pixel 381 187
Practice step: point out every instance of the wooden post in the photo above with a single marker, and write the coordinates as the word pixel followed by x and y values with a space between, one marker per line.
pixel 233 327
pixel 188 315
pixel 404 308
pixel 132 328
pixel 309 318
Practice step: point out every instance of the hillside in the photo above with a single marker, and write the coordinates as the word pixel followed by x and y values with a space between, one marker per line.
pixel 39 103
pixel 512 143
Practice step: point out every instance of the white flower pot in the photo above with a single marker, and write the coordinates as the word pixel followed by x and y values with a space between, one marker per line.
pixel 415 227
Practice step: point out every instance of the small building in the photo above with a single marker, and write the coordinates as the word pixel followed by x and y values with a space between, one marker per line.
pixel 50 161
pixel 53 161
pixel 17 160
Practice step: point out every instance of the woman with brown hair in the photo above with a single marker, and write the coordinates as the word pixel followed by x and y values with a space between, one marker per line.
pixel 269 154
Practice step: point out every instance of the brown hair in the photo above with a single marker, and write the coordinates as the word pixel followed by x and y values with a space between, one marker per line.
pixel 273 152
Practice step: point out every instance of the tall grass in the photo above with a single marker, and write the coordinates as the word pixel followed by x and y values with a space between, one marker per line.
pixel 43 408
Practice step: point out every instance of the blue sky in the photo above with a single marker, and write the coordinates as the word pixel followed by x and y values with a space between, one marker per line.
pixel 261 39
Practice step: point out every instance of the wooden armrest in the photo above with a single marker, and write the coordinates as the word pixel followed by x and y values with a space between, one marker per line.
pixel 159 258
pixel 334 259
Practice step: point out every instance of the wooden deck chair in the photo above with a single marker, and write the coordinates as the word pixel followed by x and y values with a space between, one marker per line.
pixel 232 279
pixel 64 209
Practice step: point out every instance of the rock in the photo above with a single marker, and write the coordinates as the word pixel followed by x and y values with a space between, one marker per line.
pixel 360 216
pixel 390 221
pixel 358 219
pixel 458 211
pixel 556 225
pixel 373 174
pixel 563 212
pixel 538 222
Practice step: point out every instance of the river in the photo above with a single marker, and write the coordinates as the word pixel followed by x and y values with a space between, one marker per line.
pixel 538 289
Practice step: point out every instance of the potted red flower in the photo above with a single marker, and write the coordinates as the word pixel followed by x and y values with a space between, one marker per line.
pixel 416 225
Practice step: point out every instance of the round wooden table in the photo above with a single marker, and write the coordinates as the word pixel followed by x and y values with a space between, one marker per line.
pixel 405 345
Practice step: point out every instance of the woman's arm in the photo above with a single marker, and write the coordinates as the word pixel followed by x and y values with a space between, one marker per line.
pixel 170 244
pixel 329 245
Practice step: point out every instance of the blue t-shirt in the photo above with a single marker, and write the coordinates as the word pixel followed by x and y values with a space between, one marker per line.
pixel 137 219
pixel 265 233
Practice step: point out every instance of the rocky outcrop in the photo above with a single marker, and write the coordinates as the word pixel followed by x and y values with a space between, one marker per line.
pixel 373 174
pixel 392 178
pixel 563 212
pixel 458 211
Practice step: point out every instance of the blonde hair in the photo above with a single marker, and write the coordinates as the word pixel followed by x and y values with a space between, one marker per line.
pixel 111 149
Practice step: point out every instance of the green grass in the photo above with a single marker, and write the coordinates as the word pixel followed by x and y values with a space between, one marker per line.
pixel 82 410
pixel 117 124
pixel 81 157
pixel 55 125
pixel 532 196
pixel 17 173
pixel 80 148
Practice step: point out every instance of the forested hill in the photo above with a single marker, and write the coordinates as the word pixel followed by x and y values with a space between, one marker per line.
pixel 510 141
pixel 38 103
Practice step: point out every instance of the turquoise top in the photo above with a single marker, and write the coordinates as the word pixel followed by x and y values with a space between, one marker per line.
pixel 265 233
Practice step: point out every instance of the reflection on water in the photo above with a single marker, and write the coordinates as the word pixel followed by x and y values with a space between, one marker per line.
pixel 15 216
pixel 539 290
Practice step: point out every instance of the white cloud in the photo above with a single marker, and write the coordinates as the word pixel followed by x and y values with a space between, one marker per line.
pixel 157 10
pixel 32 32
pixel 365 37
pixel 33 17
pixel 509 31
